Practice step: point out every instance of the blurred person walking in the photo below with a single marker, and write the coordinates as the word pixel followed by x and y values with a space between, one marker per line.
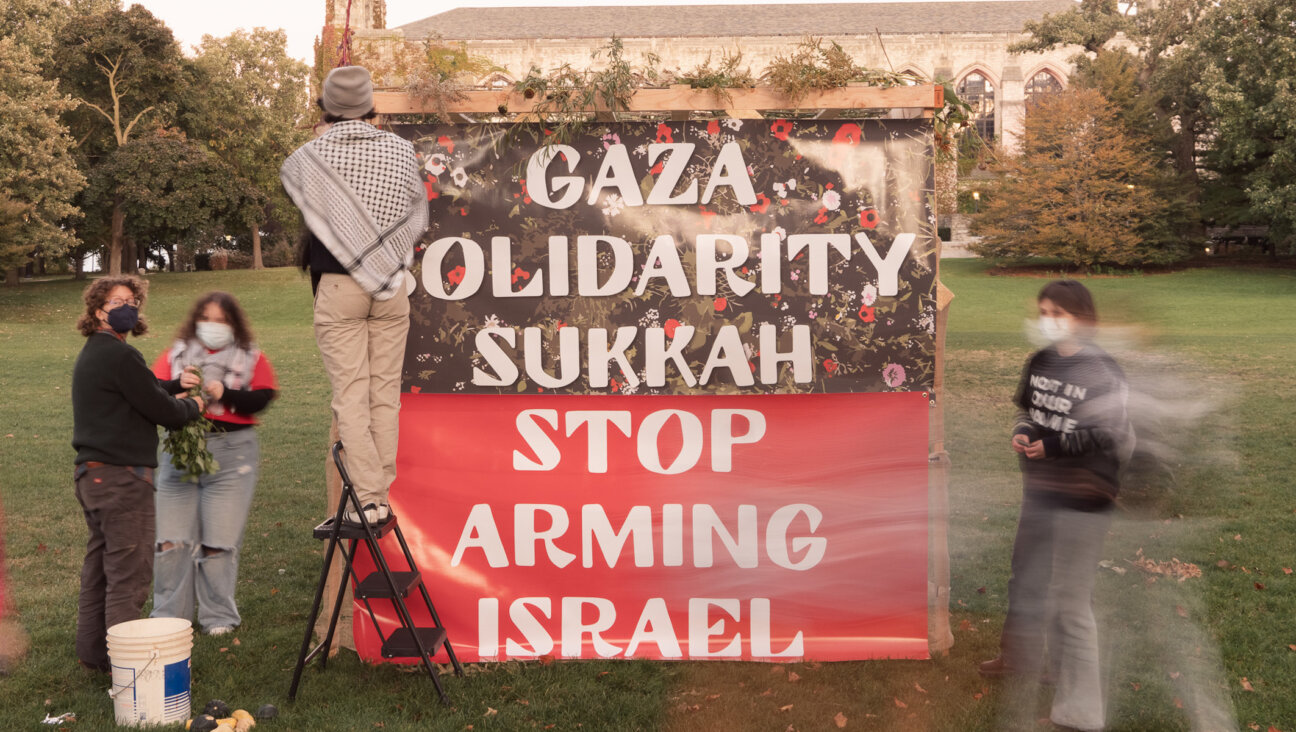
pixel 200 522
pixel 1072 435
pixel 117 405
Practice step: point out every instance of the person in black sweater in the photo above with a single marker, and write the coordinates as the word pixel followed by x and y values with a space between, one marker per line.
pixel 117 404
pixel 1072 435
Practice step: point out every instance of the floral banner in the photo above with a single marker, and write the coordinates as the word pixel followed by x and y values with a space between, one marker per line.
pixel 722 257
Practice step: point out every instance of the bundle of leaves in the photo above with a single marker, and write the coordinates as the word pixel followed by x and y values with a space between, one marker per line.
pixel 188 445
pixel 812 66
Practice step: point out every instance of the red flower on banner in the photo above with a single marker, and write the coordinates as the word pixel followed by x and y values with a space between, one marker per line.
pixel 822 217
pixel 561 324
pixel 446 142
pixel 848 133
pixel 519 273
pixel 463 212
pixel 866 314
pixel 708 218
pixel 762 205
pixel 657 169
pixel 670 327
pixel 721 303
pixel 830 365
pixel 664 133
pixel 713 127
pixel 431 193
pixel 780 129
pixel 868 218
pixel 456 275
pixel 615 385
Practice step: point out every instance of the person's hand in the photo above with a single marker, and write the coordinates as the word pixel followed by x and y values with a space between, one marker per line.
pixel 189 379
pixel 1034 450
pixel 202 405
pixel 1019 443
pixel 214 389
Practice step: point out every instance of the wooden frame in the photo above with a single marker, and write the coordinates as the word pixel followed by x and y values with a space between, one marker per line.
pixel 924 97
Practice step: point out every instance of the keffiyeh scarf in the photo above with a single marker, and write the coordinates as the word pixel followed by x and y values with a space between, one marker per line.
pixel 359 190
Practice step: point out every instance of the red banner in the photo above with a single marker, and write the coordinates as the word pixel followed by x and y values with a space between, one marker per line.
pixel 668 527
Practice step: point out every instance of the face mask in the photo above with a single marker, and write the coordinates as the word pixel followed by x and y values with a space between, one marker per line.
pixel 123 318
pixel 214 335
pixel 1054 330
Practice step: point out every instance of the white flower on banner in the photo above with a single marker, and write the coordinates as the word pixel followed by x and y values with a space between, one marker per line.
pixel 459 176
pixel 782 233
pixel 791 183
pixel 733 124
pixel 614 205
pixel 436 164
pixel 781 190
pixel 870 294
pixel 831 200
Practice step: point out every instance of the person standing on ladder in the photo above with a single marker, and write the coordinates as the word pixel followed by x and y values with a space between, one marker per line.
pixel 364 206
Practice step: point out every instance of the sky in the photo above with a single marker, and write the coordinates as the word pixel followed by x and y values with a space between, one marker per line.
pixel 190 19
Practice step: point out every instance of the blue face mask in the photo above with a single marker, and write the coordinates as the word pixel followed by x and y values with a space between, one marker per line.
pixel 123 318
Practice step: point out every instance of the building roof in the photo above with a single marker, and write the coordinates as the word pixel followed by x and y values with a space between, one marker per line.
pixel 749 20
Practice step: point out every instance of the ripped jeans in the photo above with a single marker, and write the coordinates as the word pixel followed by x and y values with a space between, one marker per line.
pixel 200 530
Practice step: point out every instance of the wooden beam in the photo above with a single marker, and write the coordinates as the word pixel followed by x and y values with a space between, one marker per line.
pixel 921 96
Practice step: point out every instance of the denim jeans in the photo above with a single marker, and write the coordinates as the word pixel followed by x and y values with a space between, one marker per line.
pixel 1050 606
pixel 204 524
pixel 118 506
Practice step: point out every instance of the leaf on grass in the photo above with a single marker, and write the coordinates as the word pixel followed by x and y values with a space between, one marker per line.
pixel 1178 703
pixel 1173 568
pixel 966 626
pixel 546 659
pixel 1253 725
pixel 920 689
pixel 490 712
pixel 712 697
pixel 1181 610
pixel 1273 729
pixel 793 676
pixel 977 695
pixel 840 720
pixel 769 692
pixel 1292 646
pixel 1259 585
pixel 1136 685
pixel 1175 675
pixel 1287 570
pixel 1246 684
pixel 899 703
pixel 785 707
pixel 981 590
pixel 1222 564
pixel 1237 537
pixel 524 702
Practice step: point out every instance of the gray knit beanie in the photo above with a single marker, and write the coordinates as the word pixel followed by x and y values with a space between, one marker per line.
pixel 348 92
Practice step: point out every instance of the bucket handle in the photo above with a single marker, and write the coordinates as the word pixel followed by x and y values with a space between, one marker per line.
pixel 153 656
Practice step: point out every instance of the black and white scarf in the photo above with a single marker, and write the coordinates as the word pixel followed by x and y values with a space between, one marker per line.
pixel 360 192
pixel 231 365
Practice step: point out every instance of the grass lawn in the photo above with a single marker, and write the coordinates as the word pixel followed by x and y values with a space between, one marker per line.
pixel 1207 350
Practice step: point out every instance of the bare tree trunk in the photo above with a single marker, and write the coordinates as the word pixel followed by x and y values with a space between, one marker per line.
pixel 115 245
pixel 78 265
pixel 171 257
pixel 256 247
pixel 142 252
pixel 11 277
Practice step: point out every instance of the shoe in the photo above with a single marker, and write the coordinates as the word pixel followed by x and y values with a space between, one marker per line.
pixel 220 630
pixel 994 668
pixel 96 668
pixel 374 513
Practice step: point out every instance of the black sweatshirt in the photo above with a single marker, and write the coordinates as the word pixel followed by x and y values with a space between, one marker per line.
pixel 117 404
pixel 1076 406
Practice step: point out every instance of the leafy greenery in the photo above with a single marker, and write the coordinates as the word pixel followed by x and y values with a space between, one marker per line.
pixel 812 66
pixel 188 445
pixel 729 73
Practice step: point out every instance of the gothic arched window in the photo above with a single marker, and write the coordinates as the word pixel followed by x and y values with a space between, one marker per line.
pixel 979 93
pixel 1041 84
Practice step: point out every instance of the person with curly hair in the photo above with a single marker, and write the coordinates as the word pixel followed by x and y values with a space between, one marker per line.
pixel 117 405
pixel 200 522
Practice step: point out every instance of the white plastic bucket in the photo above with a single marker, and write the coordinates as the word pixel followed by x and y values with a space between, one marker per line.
pixel 150 671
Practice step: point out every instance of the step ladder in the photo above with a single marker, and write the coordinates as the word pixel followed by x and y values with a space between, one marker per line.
pixel 407 641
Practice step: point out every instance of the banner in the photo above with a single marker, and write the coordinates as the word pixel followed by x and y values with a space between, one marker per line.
pixel 667 390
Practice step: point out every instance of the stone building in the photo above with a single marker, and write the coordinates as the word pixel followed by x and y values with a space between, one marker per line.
pixel 966 42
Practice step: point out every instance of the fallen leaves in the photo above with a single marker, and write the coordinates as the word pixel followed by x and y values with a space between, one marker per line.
pixel 793 676
pixel 1246 685
pixel 840 720
pixel 899 703
pixel 1174 568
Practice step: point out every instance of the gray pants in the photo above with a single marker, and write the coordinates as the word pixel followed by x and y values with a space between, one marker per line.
pixel 1050 606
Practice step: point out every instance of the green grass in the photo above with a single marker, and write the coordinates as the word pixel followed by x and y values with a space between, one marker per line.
pixel 1208 349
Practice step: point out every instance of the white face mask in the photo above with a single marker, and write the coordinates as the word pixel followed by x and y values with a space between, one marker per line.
pixel 1054 330
pixel 214 335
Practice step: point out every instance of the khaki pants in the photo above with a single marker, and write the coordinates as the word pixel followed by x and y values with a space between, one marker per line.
pixel 362 342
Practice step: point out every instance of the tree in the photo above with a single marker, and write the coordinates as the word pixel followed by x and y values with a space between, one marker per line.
pixel 37 171
pixel 171 191
pixel 123 67
pixel 249 103
pixel 1082 189
pixel 1248 54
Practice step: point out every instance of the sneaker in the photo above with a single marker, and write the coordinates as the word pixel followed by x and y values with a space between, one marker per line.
pixel 220 630
pixel 994 668
pixel 374 513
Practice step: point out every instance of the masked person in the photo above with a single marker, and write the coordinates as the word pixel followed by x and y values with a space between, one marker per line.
pixel 1072 435
pixel 200 522
pixel 117 405
pixel 365 207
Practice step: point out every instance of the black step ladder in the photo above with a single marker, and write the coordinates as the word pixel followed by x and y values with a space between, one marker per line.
pixel 407 641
